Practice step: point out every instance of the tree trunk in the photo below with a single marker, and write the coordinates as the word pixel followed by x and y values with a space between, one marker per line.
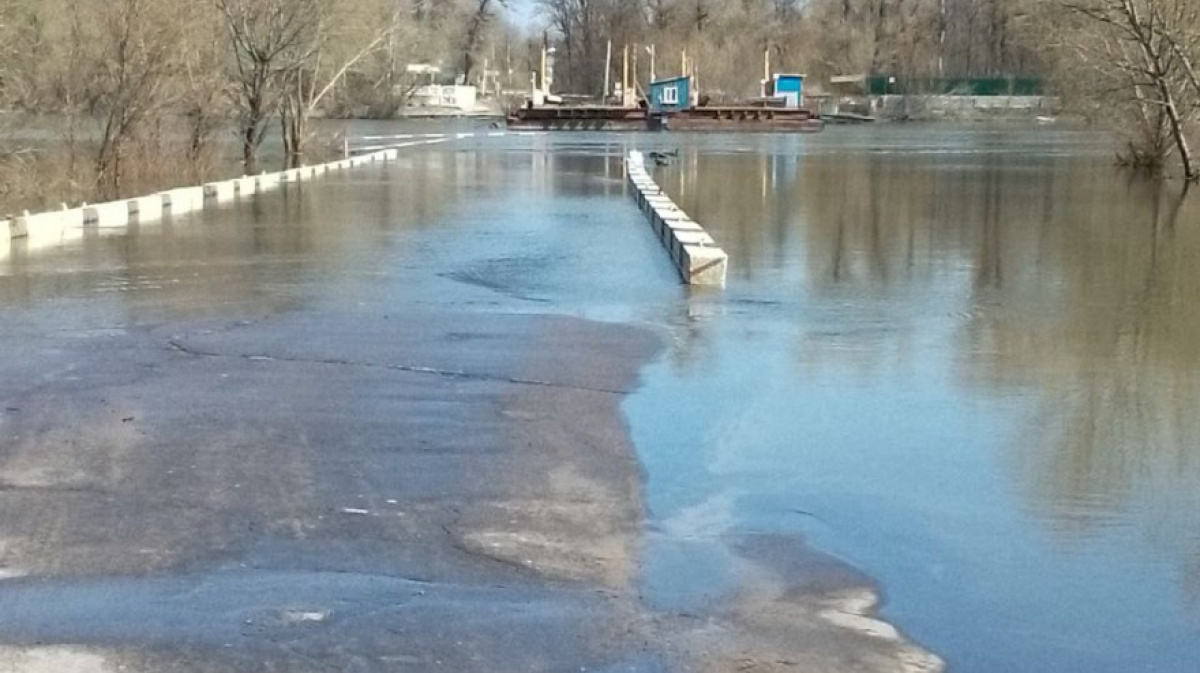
pixel 249 149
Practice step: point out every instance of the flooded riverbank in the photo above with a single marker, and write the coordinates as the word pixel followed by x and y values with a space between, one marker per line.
pixel 951 372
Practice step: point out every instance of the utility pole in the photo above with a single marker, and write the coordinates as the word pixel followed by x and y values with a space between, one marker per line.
pixel 607 73
pixel 635 72
pixel 625 80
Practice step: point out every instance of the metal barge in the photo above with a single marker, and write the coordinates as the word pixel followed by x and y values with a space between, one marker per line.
pixel 582 118
pixel 673 105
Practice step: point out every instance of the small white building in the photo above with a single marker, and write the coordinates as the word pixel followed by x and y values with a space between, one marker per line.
pixel 454 97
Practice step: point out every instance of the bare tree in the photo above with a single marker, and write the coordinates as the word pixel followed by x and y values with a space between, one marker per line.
pixel 477 22
pixel 135 54
pixel 307 82
pixel 1142 51
pixel 269 40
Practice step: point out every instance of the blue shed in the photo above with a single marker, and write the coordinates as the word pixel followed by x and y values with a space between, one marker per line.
pixel 788 87
pixel 671 95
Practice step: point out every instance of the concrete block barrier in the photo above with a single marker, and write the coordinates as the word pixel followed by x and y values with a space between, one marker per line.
pixel 704 265
pixel 220 192
pixel 246 186
pixel 60 226
pixel 183 200
pixel 146 208
pixel 41 230
pixel 44 232
pixel 267 181
pixel 111 214
pixel 693 252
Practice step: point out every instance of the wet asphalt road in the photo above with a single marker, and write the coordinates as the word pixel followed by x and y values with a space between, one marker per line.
pixel 304 435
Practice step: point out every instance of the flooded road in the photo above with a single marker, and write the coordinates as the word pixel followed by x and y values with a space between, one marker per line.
pixel 953 369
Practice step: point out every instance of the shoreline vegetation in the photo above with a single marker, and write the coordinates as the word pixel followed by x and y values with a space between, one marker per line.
pixel 147 88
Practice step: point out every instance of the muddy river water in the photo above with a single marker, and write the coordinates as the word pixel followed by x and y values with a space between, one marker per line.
pixel 962 361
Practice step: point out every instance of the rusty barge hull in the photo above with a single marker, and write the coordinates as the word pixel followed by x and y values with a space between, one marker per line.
pixel 717 119
pixel 744 119
pixel 578 125
pixel 582 118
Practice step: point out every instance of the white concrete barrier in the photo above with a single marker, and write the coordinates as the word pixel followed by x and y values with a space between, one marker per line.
pixel 704 265
pixel 183 200
pixel 57 227
pixel 42 226
pixel 267 181
pixel 111 214
pixel 146 208
pixel 246 186
pixel 694 253
pixel 220 192
pixel 45 230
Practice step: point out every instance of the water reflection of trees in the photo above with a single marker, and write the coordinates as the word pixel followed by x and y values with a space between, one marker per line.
pixel 1110 345
pixel 1055 276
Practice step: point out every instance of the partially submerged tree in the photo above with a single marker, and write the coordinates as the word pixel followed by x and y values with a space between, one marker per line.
pixel 324 64
pixel 1139 58
pixel 269 39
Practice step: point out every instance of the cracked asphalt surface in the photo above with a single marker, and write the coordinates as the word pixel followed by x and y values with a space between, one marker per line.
pixel 185 489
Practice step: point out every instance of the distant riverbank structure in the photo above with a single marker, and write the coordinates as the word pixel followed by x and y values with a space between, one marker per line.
pixel 921 98
pixel 435 95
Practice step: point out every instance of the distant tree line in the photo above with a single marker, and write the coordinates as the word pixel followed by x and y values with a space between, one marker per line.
pixel 139 88
pixel 725 42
